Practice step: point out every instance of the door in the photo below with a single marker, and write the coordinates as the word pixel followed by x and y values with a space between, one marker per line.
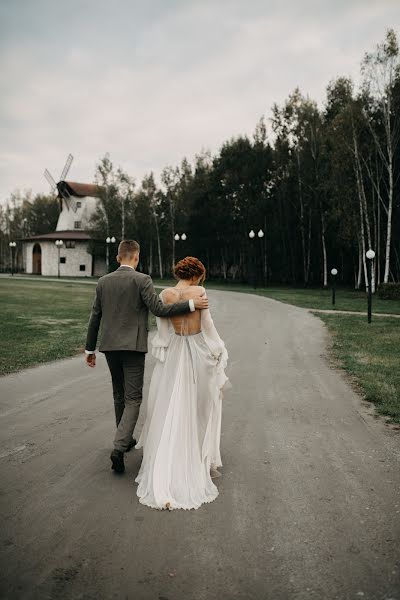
pixel 37 259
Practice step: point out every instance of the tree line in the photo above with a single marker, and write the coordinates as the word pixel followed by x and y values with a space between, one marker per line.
pixel 321 183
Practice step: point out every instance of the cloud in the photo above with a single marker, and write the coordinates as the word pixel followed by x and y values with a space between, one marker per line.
pixel 153 82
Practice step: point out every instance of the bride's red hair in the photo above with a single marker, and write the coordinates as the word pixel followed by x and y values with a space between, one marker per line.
pixel 190 267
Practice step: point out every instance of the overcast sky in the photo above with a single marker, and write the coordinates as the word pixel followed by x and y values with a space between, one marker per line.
pixel 153 81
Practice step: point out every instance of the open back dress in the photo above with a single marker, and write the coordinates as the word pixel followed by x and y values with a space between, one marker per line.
pixel 182 428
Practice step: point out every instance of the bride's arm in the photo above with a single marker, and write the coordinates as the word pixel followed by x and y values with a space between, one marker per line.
pixel 211 333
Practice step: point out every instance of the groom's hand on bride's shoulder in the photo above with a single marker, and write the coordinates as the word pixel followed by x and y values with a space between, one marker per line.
pixel 91 360
pixel 200 301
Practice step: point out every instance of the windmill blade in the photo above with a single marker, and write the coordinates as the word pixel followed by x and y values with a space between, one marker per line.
pixel 50 179
pixel 66 167
pixel 63 192
pixel 66 199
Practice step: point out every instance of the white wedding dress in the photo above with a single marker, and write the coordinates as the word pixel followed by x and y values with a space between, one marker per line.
pixel 182 428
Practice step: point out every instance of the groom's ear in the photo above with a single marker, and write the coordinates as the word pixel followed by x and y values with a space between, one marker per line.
pixel 118 259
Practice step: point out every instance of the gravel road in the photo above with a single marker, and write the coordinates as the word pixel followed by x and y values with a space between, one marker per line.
pixel 309 503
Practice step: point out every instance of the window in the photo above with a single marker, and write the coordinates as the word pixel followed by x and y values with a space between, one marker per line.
pixel 77 224
pixel 63 260
pixel 82 267
pixel 78 204
pixel 70 244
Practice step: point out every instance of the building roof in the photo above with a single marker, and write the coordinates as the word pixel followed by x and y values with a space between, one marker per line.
pixel 77 235
pixel 80 190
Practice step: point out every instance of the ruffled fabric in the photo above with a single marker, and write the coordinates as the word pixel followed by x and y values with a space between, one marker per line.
pixel 180 436
pixel 183 412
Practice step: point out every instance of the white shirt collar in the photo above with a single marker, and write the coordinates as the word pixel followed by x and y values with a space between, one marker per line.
pixel 129 266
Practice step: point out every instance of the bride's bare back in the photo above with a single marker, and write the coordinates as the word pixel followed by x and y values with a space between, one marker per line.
pixel 189 323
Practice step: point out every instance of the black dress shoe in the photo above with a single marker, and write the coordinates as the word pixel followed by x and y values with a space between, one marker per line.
pixel 131 445
pixel 117 460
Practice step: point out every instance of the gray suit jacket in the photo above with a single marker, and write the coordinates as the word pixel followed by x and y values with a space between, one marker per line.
pixel 122 303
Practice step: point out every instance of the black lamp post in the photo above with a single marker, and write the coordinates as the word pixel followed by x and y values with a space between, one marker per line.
pixel 12 246
pixel 59 243
pixel 333 273
pixel 252 236
pixel 109 240
pixel 182 237
pixel 370 254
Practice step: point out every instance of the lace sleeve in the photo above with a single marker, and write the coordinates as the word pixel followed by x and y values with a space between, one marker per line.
pixel 210 332
pixel 160 341
pixel 217 348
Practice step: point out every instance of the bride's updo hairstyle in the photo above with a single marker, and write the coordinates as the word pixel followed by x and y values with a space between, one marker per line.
pixel 190 267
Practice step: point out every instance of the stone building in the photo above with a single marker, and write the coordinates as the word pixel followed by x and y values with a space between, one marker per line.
pixel 77 203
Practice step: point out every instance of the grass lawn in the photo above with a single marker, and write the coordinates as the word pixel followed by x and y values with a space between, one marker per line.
pixel 346 299
pixel 371 354
pixel 41 321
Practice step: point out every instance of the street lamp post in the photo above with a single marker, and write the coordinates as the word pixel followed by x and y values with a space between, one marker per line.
pixel 334 273
pixel 370 254
pixel 59 244
pixel 12 246
pixel 109 240
pixel 182 237
pixel 252 235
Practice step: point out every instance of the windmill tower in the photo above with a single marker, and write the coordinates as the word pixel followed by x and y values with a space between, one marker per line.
pixel 72 255
pixel 77 200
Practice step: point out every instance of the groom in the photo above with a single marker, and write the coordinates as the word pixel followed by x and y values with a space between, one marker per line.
pixel 123 299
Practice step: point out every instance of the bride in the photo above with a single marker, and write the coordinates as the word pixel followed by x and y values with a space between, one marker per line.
pixel 182 428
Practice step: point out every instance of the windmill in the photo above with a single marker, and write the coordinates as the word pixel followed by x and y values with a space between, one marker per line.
pixel 61 186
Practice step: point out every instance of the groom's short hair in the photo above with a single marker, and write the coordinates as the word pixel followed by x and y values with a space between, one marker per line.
pixel 127 249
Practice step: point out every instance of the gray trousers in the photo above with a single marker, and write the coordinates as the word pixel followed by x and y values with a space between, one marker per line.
pixel 127 370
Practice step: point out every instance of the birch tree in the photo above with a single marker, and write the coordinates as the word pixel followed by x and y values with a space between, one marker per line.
pixel 381 69
pixel 150 189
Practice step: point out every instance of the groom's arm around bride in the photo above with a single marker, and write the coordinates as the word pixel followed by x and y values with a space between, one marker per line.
pixel 122 301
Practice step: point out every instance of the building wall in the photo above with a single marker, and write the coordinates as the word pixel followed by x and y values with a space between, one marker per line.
pixel 68 216
pixel 99 267
pixel 27 253
pixel 74 258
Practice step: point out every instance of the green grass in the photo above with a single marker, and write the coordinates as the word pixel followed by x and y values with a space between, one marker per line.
pixel 41 321
pixel 346 299
pixel 370 353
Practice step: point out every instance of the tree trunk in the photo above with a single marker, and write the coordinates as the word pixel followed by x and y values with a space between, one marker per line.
pixel 160 263
pixel 309 245
pixel 151 258
pixel 223 265
pixel 363 206
pixel 302 232
pixel 123 218
pixel 378 239
pixel 359 271
pixel 324 249
pixel 265 262
pixel 389 221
